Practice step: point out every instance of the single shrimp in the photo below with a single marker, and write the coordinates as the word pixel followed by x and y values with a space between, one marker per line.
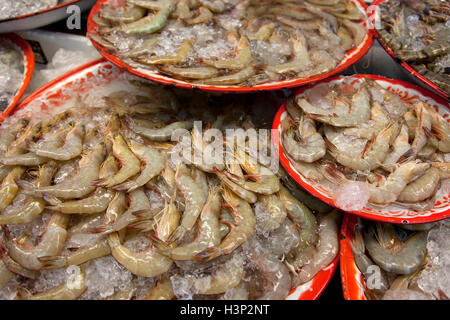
pixel 225 277
pixel 233 78
pixel 392 254
pixel 301 216
pixel 161 134
pixel 327 248
pixel 196 73
pixel 149 24
pixel 149 4
pixel 423 130
pixel 263 33
pixel 66 291
pixel 65 147
pixel 78 185
pixel 15 267
pixel 378 121
pixel 422 188
pixel 26 159
pixel 153 163
pixel 5 274
pixel 31 133
pixel 130 165
pixel 7 137
pixel 9 188
pixel 363 262
pixel 98 202
pixel 33 207
pixel 208 233
pixel 168 222
pixel 216 6
pixel 400 146
pixel 304 144
pixel 241 60
pixel 81 255
pixel 200 178
pixel 162 291
pixel 357 30
pixel 373 157
pixel 131 14
pixel 242 229
pixel 52 242
pixel 301 60
pixel 180 55
pixel 442 129
pixel 148 263
pixel 396 182
pixel 194 201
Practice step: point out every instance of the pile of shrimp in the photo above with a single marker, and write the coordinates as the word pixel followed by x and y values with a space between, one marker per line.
pixel 400 252
pixel 418 32
pixel 230 42
pixel 231 231
pixel 357 132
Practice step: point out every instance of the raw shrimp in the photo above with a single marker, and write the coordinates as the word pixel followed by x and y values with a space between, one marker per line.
pixel 304 144
pixel 139 208
pixel 301 216
pixel 400 146
pixel 148 263
pixel 130 165
pixel 5 274
pixel 7 137
pixel 374 156
pixel 277 278
pixel 153 163
pixel 71 147
pixel 226 276
pixel 96 203
pixel 344 114
pixel 363 262
pixel 194 201
pixel 442 129
pixel 80 184
pixel 9 188
pixel 240 232
pixel 233 78
pixel 162 291
pixel 326 250
pixel 148 24
pixel 276 212
pixel 264 181
pixel 396 182
pixel 26 159
pixel 204 15
pixel 208 232
pixel 33 207
pixel 240 61
pixel 86 253
pixel 168 222
pixel 196 73
pixel 393 255
pixel 161 134
pixel 66 291
pixel 422 188
pixel 52 242
pixel 301 60
pixel 180 55
pixel 240 191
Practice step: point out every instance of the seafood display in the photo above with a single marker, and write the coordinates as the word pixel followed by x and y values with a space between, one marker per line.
pixel 15 8
pixel 369 145
pixel 418 33
pixel 12 73
pixel 98 200
pixel 230 42
pixel 402 262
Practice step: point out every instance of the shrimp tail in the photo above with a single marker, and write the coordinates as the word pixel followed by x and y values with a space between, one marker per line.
pixel 158 243
pixel 25 185
pixel 97 229
pixel 52 200
pixel 208 254
pixel 140 213
pixel 23 293
pixel 52 262
pixel 124 186
pixel 357 243
pixel 99 182
pixel 404 157
pixel 142 226
pixel 177 234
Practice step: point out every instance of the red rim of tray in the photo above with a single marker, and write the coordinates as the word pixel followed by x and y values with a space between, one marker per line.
pixel 28 55
pixel 351 57
pixel 413 217
pixel 374 18
pixel 308 291
pixel 353 285
pixel 64 4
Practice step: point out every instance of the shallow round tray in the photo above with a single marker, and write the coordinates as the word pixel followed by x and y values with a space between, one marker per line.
pixel 374 17
pixel 100 72
pixel 353 285
pixel 42 18
pixel 350 58
pixel 392 214
pixel 28 62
